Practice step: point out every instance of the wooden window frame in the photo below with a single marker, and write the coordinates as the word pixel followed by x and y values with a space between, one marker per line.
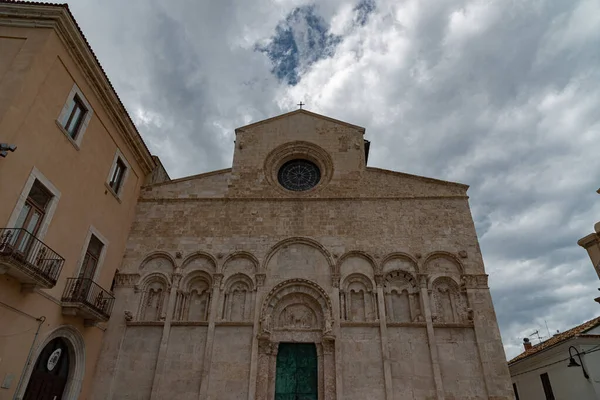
pixel 118 175
pixel 78 104
pixel 115 182
pixel 92 232
pixel 75 101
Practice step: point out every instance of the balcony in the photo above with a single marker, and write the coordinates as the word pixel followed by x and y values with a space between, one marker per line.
pixel 28 259
pixel 86 299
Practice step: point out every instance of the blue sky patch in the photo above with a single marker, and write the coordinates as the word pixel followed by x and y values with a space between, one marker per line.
pixel 299 41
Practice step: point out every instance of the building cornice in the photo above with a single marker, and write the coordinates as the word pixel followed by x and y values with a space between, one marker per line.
pixel 589 240
pixel 59 18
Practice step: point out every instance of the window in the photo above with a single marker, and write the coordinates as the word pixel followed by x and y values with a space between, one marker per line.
pixel 31 215
pixel 76 114
pixel 118 175
pixel 547 387
pixel 516 391
pixel 90 260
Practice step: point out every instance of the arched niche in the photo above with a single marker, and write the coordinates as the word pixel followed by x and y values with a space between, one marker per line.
pixel 193 298
pixel 158 262
pixel 199 261
pixel 443 264
pixel 154 287
pixel 306 307
pixel 449 303
pixel 402 299
pixel 357 299
pixel 238 298
pixel 356 262
pixel 76 354
pixel 401 262
pixel 294 256
pixel 240 262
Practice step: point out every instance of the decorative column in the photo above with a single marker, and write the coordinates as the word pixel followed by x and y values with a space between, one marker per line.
pixel 329 364
pixel 385 354
pixel 335 346
pixel 164 342
pixel 107 368
pixel 262 381
pixel 255 373
pixel 210 335
pixel 487 336
pixel 272 376
pixel 437 375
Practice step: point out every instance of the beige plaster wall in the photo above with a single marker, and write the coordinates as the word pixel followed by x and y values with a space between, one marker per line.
pixel 35 80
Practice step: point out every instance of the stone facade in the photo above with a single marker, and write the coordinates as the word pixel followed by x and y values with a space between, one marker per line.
pixel 380 270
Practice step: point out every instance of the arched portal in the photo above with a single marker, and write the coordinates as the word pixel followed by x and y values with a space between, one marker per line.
pixel 296 318
pixel 69 361
pixel 50 373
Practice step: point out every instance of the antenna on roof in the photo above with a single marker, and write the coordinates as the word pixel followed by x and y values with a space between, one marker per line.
pixel 537 333
pixel 547 328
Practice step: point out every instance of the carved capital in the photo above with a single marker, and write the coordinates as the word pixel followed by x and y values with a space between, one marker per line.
pixel 328 346
pixel 260 279
pixel 482 281
pixel 379 280
pixel 474 281
pixel 217 279
pixel 126 280
pixel 176 278
pixel 422 279
pixel 335 280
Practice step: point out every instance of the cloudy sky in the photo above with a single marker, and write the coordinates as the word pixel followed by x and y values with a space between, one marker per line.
pixel 501 95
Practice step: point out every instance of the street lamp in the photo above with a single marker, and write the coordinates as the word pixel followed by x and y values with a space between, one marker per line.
pixel 573 363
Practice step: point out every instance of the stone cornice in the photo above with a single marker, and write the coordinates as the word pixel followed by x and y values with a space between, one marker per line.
pixel 269 199
pixel 589 240
pixel 59 18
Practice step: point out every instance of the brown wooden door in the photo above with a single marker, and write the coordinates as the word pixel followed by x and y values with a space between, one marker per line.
pixel 49 376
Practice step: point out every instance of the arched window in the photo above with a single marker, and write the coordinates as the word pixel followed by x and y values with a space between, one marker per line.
pixel 449 303
pixel 357 299
pixel 153 298
pixel 193 301
pixel 237 301
pixel 402 302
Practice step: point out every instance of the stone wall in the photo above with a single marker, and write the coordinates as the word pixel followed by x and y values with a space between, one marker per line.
pixel 381 270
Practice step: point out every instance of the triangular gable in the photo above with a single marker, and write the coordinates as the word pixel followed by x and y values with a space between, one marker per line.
pixel 295 112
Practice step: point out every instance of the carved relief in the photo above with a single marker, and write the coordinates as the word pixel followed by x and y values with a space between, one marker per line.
pixel 237 300
pixel 450 305
pixel 126 280
pixel 357 299
pixel 297 316
pixel 402 298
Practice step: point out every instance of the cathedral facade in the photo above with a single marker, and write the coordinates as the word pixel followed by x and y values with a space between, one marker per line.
pixel 301 273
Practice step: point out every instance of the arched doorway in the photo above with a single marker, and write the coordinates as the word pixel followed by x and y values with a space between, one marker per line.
pixel 50 373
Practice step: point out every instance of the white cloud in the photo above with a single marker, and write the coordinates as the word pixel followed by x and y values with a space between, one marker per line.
pixel 503 96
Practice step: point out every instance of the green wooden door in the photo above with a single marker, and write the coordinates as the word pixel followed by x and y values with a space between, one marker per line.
pixel 296 377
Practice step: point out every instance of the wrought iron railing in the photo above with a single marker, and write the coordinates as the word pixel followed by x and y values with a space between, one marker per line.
pixel 88 292
pixel 31 254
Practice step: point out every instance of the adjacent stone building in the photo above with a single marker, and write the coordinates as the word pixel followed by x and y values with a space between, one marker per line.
pixel 301 273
